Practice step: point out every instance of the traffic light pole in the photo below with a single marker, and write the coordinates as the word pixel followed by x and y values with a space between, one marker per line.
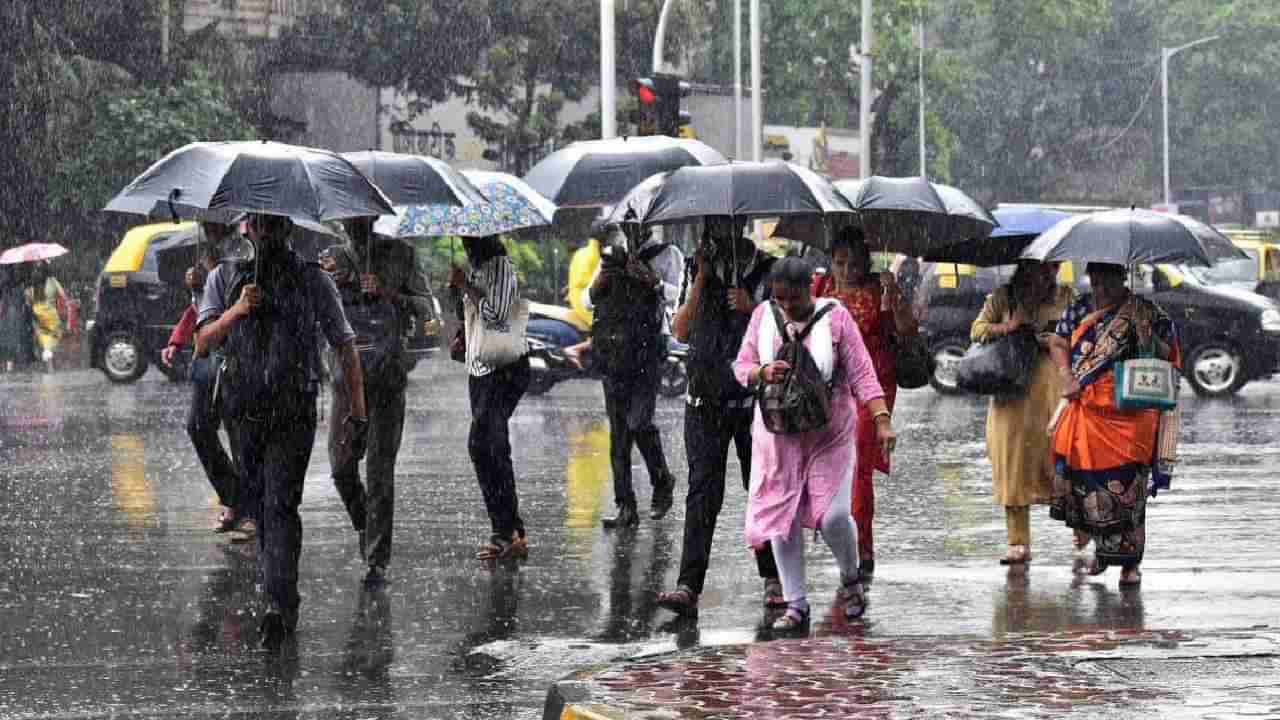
pixel 608 72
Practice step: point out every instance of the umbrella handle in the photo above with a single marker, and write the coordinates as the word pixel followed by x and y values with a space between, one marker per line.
pixel 174 195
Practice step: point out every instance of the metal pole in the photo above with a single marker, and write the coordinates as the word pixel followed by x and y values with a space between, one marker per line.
pixel 924 161
pixel 737 79
pixel 164 31
pixel 608 72
pixel 1164 100
pixel 1165 55
pixel 757 91
pixel 864 92
pixel 660 37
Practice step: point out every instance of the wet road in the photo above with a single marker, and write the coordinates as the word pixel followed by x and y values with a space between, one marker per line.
pixel 116 598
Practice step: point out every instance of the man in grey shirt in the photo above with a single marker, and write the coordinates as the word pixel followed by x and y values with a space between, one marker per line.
pixel 283 298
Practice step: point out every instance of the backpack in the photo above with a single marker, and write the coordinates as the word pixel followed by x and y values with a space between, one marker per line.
pixel 802 401
pixel 715 335
pixel 267 354
pixel 626 331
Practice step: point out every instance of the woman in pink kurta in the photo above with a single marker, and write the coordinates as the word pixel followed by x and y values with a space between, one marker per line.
pixel 805 480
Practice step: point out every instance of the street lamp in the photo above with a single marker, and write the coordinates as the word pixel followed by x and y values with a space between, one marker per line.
pixel 1165 54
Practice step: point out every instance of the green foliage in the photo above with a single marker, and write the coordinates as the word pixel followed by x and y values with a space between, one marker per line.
pixel 540 261
pixel 134 129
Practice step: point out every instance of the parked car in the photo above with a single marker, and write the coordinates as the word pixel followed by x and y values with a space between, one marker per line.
pixel 1229 336
pixel 133 310
pixel 1260 273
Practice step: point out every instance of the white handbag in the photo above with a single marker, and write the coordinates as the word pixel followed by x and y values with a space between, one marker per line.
pixel 496 346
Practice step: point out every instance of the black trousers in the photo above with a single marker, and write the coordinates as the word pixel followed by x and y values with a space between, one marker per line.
pixel 223 471
pixel 629 403
pixel 493 401
pixel 371 505
pixel 276 454
pixel 708 430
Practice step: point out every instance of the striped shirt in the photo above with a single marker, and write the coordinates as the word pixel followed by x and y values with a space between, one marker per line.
pixel 497 278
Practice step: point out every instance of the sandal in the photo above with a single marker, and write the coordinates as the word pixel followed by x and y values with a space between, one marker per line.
pixel 500 548
pixel 852 596
pixel 1133 580
pixel 681 601
pixel 1017 555
pixel 1090 567
pixel 773 597
pixel 795 618
pixel 227 520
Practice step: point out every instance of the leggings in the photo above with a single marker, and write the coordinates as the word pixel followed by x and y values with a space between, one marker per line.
pixel 838 530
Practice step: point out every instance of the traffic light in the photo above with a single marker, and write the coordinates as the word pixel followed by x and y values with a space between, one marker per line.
pixel 659 101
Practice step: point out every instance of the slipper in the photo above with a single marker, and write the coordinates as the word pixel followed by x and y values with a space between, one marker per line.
pixel 681 601
pixel 1136 581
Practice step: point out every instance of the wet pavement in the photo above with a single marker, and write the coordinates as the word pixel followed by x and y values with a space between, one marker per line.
pixel 117 599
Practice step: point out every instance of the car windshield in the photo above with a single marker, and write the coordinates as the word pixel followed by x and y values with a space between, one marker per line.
pixel 1229 271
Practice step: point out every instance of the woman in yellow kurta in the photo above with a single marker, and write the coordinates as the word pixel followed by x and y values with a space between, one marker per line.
pixel 1021 467
pixel 44 296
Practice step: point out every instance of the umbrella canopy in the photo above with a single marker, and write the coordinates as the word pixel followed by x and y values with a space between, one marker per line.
pixel 596 173
pixel 1018 227
pixel 518 204
pixel 913 216
pixel 414 179
pixel 258 177
pixel 1132 237
pixel 738 189
pixel 31 252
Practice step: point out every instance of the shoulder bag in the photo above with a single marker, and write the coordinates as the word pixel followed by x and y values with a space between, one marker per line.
pixel 497 345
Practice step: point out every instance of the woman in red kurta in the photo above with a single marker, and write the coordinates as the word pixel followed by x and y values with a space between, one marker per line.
pixel 866 296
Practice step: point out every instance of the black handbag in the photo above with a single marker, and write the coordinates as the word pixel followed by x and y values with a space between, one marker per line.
pixel 1000 367
pixel 913 363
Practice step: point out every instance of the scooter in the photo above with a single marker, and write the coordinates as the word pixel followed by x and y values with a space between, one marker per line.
pixel 549 365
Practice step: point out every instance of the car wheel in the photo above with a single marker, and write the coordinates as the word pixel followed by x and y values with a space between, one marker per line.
pixel 123 360
pixel 674 380
pixel 1215 369
pixel 946 355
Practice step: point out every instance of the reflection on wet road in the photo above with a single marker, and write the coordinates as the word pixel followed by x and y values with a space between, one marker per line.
pixel 117 598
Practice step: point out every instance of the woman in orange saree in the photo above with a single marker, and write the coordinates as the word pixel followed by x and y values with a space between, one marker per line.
pixel 1104 455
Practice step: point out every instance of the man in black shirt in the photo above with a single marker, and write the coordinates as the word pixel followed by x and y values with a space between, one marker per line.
pixel 730 279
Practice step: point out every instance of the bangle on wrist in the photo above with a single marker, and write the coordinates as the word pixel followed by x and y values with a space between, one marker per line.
pixel 885 413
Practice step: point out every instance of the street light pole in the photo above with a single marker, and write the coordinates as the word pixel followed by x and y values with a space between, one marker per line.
pixel 757 86
pixel 737 79
pixel 608 73
pixel 924 158
pixel 1165 54
pixel 864 105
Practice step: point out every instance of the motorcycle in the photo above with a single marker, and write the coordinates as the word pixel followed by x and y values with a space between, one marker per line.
pixel 550 331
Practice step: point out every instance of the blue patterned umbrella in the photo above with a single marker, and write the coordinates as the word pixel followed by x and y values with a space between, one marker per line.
pixel 510 205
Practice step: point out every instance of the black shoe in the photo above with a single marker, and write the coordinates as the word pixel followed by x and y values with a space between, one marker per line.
pixel 627 517
pixel 663 497
pixel 376 578
pixel 867 567
pixel 272 630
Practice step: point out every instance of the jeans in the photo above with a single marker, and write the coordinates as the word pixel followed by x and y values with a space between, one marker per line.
pixel 493 401
pixel 708 430
pixel 224 473
pixel 630 403
pixel 277 451
pixel 371 506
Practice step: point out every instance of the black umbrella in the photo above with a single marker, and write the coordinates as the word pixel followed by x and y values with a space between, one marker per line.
pixel 1019 227
pixel 1133 237
pixel 257 177
pixel 913 216
pixel 596 173
pixel 738 189
pixel 416 180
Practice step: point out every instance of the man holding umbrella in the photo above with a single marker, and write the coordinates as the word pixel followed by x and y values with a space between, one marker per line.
pixel 265 316
pixel 381 285
pixel 729 279
pixel 629 336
